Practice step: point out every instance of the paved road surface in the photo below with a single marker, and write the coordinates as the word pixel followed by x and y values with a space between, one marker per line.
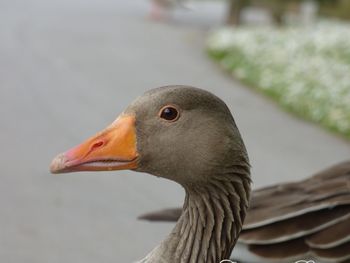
pixel 67 68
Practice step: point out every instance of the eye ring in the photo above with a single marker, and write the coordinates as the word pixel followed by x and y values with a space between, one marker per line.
pixel 169 113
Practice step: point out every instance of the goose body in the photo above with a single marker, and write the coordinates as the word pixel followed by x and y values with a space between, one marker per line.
pixel 294 221
pixel 189 136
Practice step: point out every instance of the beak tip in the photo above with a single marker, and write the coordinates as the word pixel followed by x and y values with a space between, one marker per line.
pixel 58 164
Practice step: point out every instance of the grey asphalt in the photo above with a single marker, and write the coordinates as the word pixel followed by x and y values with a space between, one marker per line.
pixel 67 68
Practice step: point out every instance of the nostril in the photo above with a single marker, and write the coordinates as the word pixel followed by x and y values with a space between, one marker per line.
pixel 97 145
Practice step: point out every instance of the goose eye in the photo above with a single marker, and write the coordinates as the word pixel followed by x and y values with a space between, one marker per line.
pixel 169 113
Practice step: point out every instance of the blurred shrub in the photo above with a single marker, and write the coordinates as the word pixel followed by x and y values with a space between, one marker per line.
pixel 335 8
pixel 278 8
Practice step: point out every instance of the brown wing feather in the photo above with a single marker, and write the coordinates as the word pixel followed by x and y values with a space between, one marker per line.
pixel 295 227
pixel 312 215
pixel 335 254
pixel 325 189
pixel 167 215
pixel 289 250
pixel 332 236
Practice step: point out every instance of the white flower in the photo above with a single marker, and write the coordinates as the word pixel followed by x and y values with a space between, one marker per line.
pixel 308 69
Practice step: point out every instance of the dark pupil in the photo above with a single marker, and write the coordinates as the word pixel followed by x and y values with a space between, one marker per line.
pixel 169 113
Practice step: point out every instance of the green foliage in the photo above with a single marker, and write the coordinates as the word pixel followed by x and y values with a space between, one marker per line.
pixel 339 9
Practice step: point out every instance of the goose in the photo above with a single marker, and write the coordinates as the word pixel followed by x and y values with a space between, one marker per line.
pixel 285 222
pixel 189 136
pixel 159 8
pixel 294 221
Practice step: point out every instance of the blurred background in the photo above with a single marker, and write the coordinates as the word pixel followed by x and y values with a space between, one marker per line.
pixel 69 67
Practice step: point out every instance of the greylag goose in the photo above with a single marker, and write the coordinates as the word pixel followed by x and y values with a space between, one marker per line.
pixel 293 221
pixel 189 136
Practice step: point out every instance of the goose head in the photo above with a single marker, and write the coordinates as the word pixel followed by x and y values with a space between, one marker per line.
pixel 189 136
pixel 180 133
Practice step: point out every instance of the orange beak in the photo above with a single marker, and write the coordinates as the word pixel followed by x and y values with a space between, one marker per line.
pixel 112 149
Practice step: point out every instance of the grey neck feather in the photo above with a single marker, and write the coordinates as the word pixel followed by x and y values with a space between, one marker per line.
pixel 210 223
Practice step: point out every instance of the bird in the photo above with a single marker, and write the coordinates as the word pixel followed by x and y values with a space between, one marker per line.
pixel 189 136
pixel 308 219
pixel 160 8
